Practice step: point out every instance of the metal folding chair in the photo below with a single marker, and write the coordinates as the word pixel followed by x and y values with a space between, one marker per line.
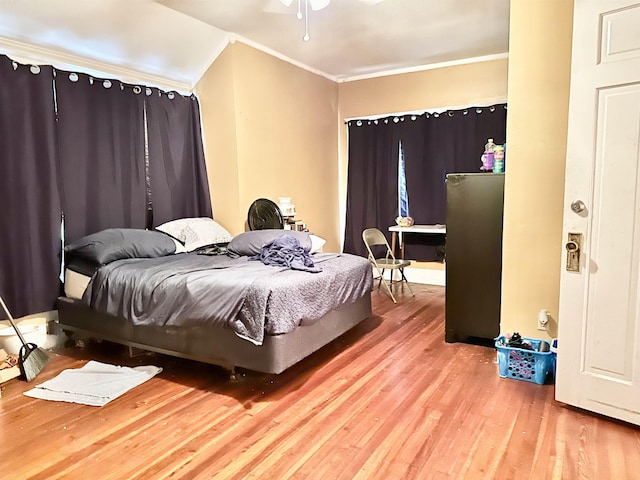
pixel 373 237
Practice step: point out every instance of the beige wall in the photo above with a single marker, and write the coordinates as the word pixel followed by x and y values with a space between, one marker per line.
pixel 460 85
pixel 270 131
pixel 216 92
pixel 539 70
pixel 478 83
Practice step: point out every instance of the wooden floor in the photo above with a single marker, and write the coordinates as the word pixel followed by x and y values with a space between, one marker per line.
pixel 388 400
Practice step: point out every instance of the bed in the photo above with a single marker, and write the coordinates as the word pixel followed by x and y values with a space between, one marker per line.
pixel 219 305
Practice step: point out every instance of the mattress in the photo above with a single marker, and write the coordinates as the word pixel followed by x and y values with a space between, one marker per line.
pixel 248 297
pixel 215 345
pixel 75 283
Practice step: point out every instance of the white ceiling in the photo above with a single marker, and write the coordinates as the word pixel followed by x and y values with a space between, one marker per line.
pixel 172 42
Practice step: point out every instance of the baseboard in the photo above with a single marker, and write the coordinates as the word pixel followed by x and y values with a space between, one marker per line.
pixel 426 276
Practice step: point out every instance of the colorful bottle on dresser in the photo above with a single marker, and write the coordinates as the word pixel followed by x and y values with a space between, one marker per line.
pixel 498 159
pixel 487 156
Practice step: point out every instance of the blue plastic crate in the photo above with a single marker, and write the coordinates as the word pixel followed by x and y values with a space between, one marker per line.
pixel 522 364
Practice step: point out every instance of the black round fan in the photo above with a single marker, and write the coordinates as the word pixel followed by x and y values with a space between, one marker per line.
pixel 264 214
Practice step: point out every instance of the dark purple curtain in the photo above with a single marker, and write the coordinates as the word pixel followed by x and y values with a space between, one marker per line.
pixel 177 170
pixel 101 141
pixel 372 181
pixel 434 146
pixel 425 158
pixel 89 164
pixel 30 219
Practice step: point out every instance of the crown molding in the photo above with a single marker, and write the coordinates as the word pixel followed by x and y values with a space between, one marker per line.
pixel 487 58
pixel 282 57
pixel 421 68
pixel 32 54
pixel 215 53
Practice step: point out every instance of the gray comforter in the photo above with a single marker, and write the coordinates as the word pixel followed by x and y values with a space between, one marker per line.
pixel 247 296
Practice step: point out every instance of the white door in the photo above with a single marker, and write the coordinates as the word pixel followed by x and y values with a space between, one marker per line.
pixel 599 321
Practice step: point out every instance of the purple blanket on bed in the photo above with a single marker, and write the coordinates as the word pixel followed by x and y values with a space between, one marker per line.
pixel 286 251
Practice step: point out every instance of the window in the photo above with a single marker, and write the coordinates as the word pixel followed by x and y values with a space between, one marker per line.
pixel 403 195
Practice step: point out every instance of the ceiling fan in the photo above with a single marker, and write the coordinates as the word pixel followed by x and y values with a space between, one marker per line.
pixel 315 6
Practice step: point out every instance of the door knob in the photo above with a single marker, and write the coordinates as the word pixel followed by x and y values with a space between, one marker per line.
pixel 578 206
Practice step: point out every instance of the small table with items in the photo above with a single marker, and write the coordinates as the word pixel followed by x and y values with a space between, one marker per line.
pixel 398 231
pixel 298 225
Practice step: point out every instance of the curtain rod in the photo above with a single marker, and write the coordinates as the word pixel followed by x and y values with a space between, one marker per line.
pixel 484 103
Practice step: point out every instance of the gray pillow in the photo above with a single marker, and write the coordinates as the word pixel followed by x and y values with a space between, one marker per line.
pixel 251 243
pixel 118 243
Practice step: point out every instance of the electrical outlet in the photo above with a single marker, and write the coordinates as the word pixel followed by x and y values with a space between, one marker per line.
pixel 543 320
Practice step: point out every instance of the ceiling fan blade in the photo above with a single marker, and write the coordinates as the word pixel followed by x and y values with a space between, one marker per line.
pixel 278 6
pixel 318 4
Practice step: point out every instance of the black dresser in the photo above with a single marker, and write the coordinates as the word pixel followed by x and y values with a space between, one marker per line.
pixel 473 256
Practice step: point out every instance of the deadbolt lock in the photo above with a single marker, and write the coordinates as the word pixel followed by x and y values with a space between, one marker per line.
pixel 573 246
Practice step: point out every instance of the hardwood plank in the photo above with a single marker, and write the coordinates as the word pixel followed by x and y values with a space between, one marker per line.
pixel 389 399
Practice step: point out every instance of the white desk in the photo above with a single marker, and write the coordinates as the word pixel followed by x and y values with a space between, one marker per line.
pixel 397 232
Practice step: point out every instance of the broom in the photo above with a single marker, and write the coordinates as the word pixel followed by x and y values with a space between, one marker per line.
pixel 32 359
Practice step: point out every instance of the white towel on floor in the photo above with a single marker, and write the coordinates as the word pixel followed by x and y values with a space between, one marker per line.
pixel 93 384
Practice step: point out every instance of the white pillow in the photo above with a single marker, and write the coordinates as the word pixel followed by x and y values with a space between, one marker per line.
pixel 195 233
pixel 180 248
pixel 316 243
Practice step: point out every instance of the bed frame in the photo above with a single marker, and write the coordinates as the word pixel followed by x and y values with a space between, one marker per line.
pixel 216 345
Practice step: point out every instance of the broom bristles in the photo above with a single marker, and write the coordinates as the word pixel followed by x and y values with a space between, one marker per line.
pixel 32 360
